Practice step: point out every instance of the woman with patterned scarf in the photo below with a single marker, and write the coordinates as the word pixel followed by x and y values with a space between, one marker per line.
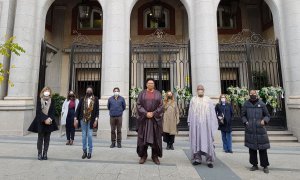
pixel 86 116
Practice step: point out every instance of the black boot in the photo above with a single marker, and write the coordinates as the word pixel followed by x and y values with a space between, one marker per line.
pixel 84 155
pixel 171 147
pixel 89 155
pixel 40 157
pixel 168 147
pixel 119 145
pixel 45 155
pixel 113 144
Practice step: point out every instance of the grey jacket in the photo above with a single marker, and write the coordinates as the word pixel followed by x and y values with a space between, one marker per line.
pixel 256 136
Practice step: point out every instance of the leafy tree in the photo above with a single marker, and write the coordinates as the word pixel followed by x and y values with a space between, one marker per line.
pixel 9 47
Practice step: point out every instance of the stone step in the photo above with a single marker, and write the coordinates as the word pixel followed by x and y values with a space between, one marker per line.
pixel 270 133
pixel 238 136
pixel 271 138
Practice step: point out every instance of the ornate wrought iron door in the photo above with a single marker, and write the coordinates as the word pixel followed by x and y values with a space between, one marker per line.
pixel 161 57
pixel 248 60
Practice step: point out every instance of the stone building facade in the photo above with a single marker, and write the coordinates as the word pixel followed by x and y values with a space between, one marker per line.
pixel 115 25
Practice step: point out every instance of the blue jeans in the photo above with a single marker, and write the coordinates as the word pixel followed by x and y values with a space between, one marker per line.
pixel 227 141
pixel 87 135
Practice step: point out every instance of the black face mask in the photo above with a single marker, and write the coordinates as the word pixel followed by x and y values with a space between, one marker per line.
pixel 89 94
pixel 169 97
pixel 253 97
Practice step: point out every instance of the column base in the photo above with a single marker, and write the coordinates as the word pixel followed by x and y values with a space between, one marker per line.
pixel 104 130
pixel 16 115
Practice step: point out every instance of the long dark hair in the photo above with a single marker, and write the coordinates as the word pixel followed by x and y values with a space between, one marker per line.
pixel 68 97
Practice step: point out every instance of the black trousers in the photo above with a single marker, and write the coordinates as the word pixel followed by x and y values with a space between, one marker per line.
pixel 43 139
pixel 169 139
pixel 70 132
pixel 263 157
pixel 154 147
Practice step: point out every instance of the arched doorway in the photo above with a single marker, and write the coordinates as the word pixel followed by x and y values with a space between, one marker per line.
pixel 159 49
pixel 249 53
pixel 71 52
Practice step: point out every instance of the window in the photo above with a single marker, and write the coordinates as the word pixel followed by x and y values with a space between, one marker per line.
pixel 94 22
pixel 225 19
pixel 91 26
pixel 228 23
pixel 147 24
pixel 151 23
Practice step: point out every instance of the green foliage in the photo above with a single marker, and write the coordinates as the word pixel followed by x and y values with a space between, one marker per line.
pixel 271 95
pixel 183 93
pixel 58 101
pixel 134 93
pixel 237 95
pixel 6 49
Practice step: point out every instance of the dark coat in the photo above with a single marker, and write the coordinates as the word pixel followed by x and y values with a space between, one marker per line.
pixel 143 123
pixel 227 111
pixel 80 108
pixel 38 124
pixel 256 136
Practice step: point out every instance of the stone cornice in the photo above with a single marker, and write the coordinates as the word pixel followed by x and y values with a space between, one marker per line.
pixel 293 102
pixel 17 105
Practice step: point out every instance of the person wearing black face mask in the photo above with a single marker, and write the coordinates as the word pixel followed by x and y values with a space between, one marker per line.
pixel 87 113
pixel 67 116
pixel 255 116
pixel 170 121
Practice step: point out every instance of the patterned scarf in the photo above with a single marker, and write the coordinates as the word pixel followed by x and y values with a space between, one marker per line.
pixel 45 106
pixel 88 108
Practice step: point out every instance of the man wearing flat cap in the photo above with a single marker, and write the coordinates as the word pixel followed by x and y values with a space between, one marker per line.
pixel 203 124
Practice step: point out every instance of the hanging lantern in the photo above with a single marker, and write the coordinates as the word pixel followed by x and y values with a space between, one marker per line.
pixel 84 10
pixel 157 10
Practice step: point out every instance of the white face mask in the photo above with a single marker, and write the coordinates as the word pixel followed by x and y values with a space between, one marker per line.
pixel 116 93
pixel 46 93
pixel 223 100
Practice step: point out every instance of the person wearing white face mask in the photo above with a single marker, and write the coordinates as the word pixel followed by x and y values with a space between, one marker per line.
pixel 203 123
pixel 116 105
pixel 44 122
pixel 225 115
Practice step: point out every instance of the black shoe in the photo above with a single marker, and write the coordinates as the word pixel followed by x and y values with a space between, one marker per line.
pixel 254 168
pixel 113 145
pixel 171 147
pixel 119 145
pixel 40 157
pixel 84 155
pixel 45 156
pixel 195 163
pixel 168 147
pixel 229 152
pixel 210 165
pixel 266 170
pixel 89 155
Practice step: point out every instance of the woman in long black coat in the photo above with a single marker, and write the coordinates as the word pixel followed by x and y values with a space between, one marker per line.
pixel 44 122
pixel 225 115
pixel 255 116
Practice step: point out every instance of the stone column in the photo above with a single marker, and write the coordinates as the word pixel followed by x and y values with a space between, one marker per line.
pixel 17 108
pixel 7 9
pixel 115 57
pixel 290 59
pixel 204 47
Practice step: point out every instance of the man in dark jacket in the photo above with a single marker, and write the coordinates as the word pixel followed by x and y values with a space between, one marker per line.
pixel 116 105
pixel 87 113
pixel 255 116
